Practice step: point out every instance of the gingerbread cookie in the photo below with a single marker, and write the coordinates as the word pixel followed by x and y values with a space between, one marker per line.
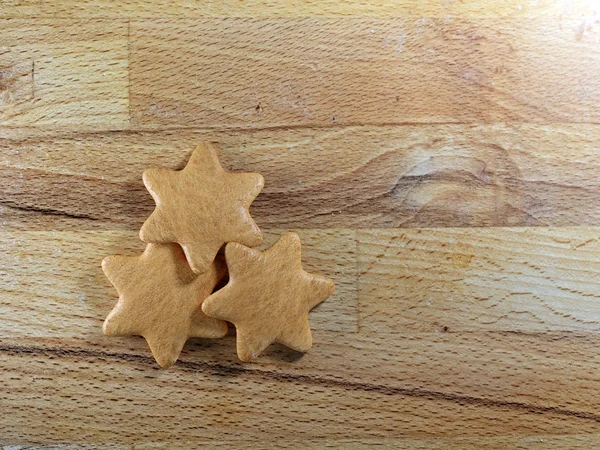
pixel 268 297
pixel 202 207
pixel 160 299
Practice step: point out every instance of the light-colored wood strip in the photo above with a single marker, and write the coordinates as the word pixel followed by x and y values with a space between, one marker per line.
pixel 88 397
pixel 298 8
pixel 64 74
pixel 392 176
pixel 51 283
pixel 521 279
pixel 307 72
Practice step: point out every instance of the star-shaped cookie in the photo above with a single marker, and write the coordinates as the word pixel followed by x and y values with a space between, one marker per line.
pixel 202 207
pixel 268 297
pixel 160 299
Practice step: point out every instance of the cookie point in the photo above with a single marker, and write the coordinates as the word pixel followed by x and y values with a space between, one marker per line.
pixel 220 331
pixel 108 327
pixel 143 233
pixel 204 153
pixel 260 181
pixel 204 146
pixel 256 238
pixel 305 346
pixel 245 356
pixel 105 263
pixel 198 267
pixel 165 361
pixel 207 307
pixel 292 237
pixel 232 246
pixel 147 176
pixel 290 241
pixel 330 285
pixel 147 235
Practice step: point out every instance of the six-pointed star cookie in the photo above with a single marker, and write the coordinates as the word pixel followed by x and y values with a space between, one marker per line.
pixel 160 299
pixel 202 207
pixel 268 297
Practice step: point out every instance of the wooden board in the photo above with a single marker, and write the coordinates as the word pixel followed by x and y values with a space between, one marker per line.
pixel 296 8
pixel 342 177
pixel 307 72
pixel 520 279
pixel 64 74
pixel 438 159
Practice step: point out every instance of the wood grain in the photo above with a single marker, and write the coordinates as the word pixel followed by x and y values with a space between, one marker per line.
pixel 351 177
pixel 487 379
pixel 438 158
pixel 297 8
pixel 307 72
pixel 68 295
pixel 522 280
pixel 574 441
pixel 64 74
pixel 192 403
pixel 206 396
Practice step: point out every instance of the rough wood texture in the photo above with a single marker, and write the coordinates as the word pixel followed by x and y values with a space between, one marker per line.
pixel 348 177
pixel 324 72
pixel 34 304
pixel 64 74
pixel 296 8
pixel 449 327
pixel 205 401
pixel 526 280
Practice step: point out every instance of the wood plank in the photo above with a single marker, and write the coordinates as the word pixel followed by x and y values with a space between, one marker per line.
pixel 550 371
pixel 94 397
pixel 64 74
pixel 521 279
pixel 307 72
pixel 392 176
pixel 51 283
pixel 545 372
pixel 571 442
pixel 435 338
pixel 54 295
pixel 296 8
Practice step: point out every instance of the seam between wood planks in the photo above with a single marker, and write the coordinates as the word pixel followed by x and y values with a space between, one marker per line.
pixel 129 73
pixel 65 133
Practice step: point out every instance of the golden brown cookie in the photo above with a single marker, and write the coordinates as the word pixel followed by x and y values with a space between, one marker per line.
pixel 268 297
pixel 160 299
pixel 202 207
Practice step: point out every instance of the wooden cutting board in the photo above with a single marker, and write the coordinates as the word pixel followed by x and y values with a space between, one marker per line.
pixel 439 159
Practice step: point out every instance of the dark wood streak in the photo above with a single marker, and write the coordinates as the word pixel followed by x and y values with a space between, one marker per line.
pixel 496 176
pixel 45 211
pixel 269 375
